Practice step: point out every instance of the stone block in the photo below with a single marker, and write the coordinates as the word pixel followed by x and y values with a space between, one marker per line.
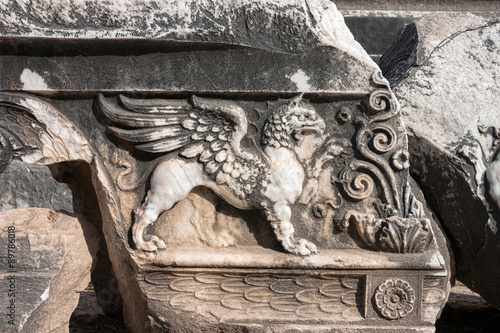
pixel 48 260
pixel 444 69
pixel 27 185
pixel 248 159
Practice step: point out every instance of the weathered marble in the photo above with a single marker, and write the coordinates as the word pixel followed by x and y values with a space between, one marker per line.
pixel 248 163
pixel 444 70
pixel 48 260
pixel 27 185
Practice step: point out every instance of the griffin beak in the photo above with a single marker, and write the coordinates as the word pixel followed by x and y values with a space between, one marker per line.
pixel 317 128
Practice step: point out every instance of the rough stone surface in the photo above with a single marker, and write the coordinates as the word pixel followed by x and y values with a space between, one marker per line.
pixel 270 24
pixel 422 5
pixel 27 185
pixel 445 70
pixel 46 268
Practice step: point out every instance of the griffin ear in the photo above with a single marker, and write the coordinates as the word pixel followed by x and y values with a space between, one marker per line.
pixel 296 100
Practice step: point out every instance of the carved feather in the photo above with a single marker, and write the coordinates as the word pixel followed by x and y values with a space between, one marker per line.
pixel 193 150
pixel 136 119
pixel 208 129
pixel 162 146
pixel 211 167
pixel 160 106
pixel 205 156
pixel 229 109
pixel 148 134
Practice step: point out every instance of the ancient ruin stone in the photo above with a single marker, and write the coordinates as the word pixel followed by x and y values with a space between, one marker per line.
pixel 48 260
pixel 444 70
pixel 28 185
pixel 249 163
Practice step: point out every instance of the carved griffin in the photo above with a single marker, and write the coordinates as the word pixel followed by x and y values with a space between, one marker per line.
pixel 204 137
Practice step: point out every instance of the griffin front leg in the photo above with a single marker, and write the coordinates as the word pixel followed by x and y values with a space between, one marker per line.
pixel 280 216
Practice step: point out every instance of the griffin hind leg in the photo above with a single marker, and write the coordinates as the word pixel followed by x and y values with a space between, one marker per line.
pixel 144 216
pixel 170 183
pixel 279 216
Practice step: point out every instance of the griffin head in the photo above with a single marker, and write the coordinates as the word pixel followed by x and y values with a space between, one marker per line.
pixel 286 126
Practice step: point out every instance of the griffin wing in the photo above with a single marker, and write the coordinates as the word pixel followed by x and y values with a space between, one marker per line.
pixel 208 129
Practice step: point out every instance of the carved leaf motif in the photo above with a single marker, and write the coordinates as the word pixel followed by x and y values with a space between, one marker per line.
pixel 331 289
pixel 161 295
pixel 284 303
pixel 236 302
pixel 411 235
pixel 308 281
pixel 187 284
pixel 284 286
pixel 378 177
pixel 311 296
pixel 209 293
pixel 234 286
pixel 308 311
pixel 160 279
pixel 185 301
pixel 258 280
pixel 258 310
pixel 350 282
pixel 260 295
pixel 331 307
pixel 350 298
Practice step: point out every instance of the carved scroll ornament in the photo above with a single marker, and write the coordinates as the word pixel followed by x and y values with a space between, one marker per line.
pixel 399 224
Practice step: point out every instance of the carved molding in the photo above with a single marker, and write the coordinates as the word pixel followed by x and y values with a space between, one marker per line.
pixel 261 296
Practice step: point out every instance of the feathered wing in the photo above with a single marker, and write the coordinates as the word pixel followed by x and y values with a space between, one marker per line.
pixel 208 129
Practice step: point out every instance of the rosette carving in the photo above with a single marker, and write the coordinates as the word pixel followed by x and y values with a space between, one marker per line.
pixel 395 299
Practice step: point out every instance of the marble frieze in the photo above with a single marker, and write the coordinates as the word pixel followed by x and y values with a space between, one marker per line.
pixel 246 161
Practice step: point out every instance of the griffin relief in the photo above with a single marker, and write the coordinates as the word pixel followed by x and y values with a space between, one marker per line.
pixel 205 136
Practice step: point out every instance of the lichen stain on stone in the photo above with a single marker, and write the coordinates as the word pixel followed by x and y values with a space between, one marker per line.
pixel 32 80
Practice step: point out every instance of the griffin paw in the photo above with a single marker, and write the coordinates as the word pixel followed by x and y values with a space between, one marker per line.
pixel 153 245
pixel 305 248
